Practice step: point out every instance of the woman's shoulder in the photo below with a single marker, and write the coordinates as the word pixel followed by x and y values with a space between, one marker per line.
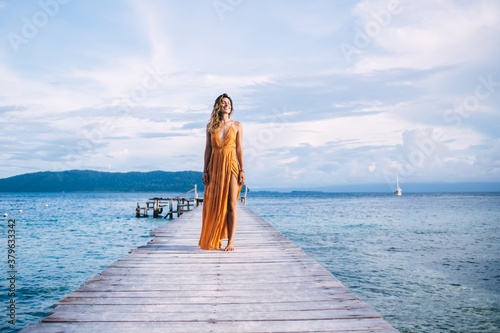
pixel 237 124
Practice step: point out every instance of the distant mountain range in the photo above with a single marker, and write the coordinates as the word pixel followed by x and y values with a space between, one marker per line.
pixel 97 181
pixel 182 181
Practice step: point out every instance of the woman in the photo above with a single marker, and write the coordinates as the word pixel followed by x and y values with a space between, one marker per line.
pixel 223 176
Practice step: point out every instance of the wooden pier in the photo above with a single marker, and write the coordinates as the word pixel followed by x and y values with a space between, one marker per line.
pixel 169 285
pixel 182 205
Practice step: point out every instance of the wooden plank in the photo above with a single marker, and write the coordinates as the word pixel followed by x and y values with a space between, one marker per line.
pixel 208 314
pixel 133 304
pixel 340 300
pixel 181 284
pixel 248 281
pixel 170 285
pixel 280 295
pixel 326 325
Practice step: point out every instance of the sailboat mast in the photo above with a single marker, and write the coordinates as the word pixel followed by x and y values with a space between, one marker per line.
pixel 398 189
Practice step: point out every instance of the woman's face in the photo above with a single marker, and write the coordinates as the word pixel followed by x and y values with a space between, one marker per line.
pixel 226 105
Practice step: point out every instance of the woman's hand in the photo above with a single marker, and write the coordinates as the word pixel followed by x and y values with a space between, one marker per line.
pixel 241 177
pixel 205 178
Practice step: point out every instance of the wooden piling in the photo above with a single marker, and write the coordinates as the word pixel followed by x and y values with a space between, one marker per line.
pixel 156 207
pixel 267 284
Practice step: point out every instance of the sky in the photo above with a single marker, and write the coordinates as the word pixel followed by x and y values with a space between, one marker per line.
pixel 328 92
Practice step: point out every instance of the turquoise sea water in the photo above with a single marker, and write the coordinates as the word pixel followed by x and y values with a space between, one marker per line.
pixel 426 262
pixel 67 242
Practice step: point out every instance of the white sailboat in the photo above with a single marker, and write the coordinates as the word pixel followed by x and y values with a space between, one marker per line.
pixel 398 190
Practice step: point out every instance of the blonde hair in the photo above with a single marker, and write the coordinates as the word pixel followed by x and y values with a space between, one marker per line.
pixel 215 117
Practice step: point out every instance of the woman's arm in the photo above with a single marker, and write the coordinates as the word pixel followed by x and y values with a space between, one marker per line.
pixel 208 153
pixel 239 152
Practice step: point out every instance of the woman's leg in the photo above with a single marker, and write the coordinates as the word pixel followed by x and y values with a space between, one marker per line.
pixel 232 216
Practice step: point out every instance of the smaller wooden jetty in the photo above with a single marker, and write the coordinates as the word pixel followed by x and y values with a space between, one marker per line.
pixel 169 285
pixel 160 204
pixel 176 205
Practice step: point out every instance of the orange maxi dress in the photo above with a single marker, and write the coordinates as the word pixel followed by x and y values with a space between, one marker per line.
pixel 223 163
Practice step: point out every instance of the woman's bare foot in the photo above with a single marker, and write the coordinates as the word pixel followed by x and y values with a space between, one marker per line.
pixel 230 246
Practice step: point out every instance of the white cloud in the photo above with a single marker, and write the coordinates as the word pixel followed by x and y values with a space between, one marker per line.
pixel 308 116
pixel 426 34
